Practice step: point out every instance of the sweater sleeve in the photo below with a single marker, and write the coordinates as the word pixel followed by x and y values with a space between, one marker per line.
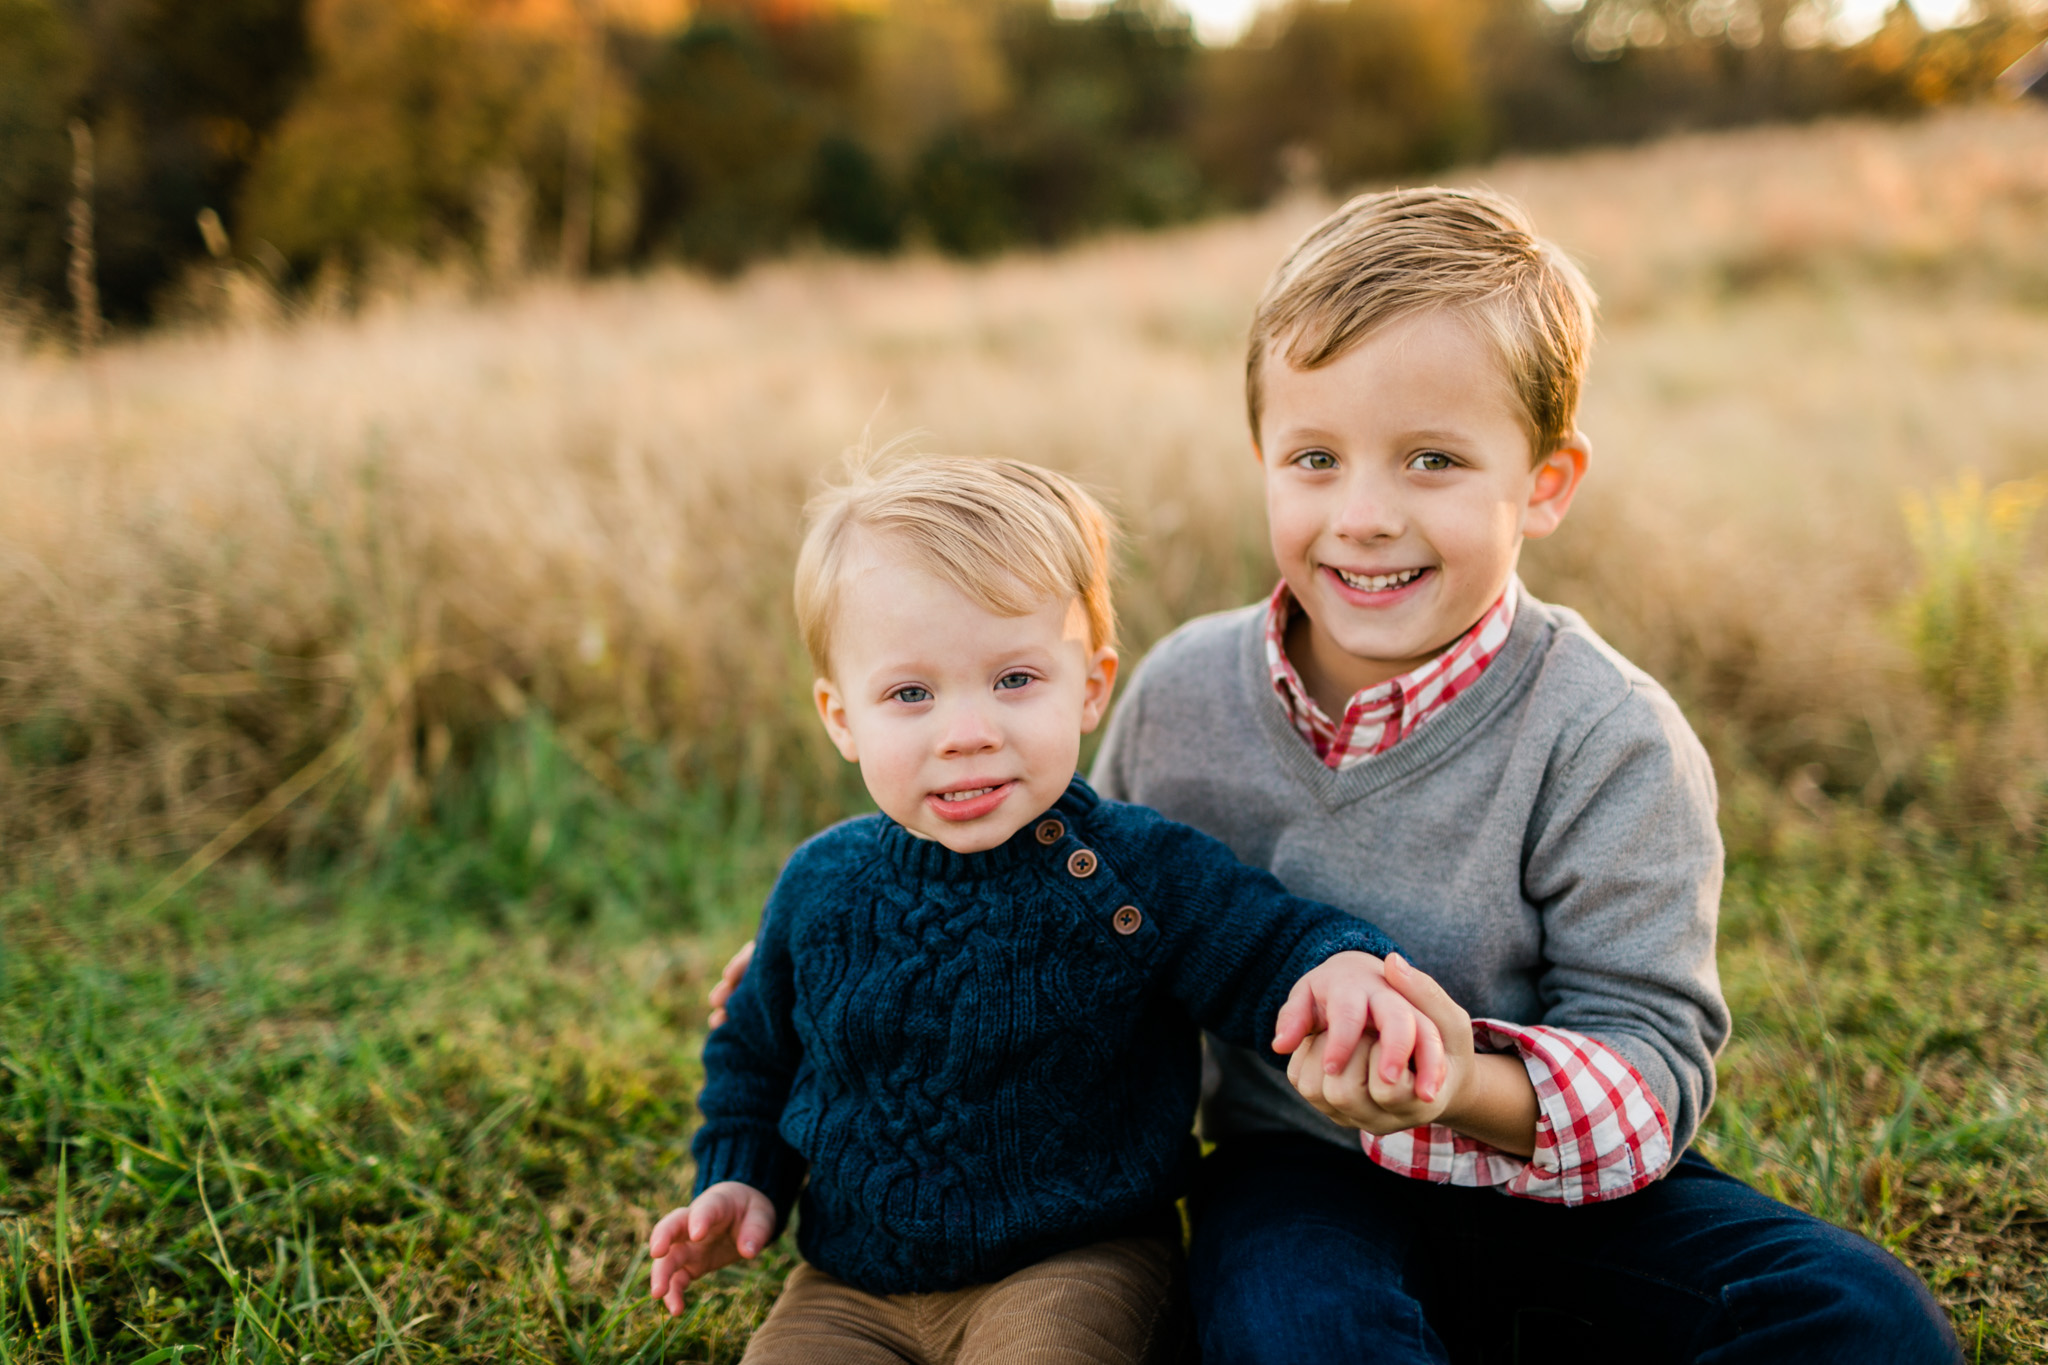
pixel 750 1062
pixel 1624 865
pixel 1239 941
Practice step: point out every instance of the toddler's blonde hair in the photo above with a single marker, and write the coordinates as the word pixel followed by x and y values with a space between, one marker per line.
pixel 1385 257
pixel 1012 536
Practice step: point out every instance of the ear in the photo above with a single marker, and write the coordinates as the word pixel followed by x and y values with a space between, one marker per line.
pixel 832 710
pixel 1554 483
pixel 1100 683
pixel 1258 454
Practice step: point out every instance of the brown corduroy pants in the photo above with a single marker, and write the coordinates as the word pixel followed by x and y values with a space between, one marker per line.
pixel 1114 1303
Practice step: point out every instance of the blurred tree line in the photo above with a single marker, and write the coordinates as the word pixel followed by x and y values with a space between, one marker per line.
pixel 325 135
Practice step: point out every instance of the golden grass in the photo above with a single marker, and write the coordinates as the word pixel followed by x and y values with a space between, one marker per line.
pixel 227 553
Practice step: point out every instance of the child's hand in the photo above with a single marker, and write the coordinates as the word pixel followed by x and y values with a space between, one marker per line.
pixel 728 1222
pixel 1372 1089
pixel 1348 998
pixel 729 981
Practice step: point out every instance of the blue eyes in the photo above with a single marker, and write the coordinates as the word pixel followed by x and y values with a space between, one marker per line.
pixel 913 695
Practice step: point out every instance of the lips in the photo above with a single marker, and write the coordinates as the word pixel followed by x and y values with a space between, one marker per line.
pixel 963 803
pixel 1377 589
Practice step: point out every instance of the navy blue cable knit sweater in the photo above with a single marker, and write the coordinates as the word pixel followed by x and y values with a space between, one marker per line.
pixel 987 1059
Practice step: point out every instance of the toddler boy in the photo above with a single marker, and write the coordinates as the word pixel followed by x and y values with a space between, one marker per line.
pixel 1403 731
pixel 972 1019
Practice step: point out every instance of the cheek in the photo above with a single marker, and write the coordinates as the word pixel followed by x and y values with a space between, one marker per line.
pixel 1290 519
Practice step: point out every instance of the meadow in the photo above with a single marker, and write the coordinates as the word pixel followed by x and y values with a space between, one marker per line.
pixel 401 717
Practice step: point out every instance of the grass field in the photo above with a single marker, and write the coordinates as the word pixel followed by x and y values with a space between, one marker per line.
pixel 492 589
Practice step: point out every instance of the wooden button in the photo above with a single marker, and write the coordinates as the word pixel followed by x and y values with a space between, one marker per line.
pixel 1050 831
pixel 1082 863
pixel 1127 919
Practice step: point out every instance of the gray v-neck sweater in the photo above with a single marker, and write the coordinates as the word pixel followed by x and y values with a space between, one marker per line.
pixel 1544 846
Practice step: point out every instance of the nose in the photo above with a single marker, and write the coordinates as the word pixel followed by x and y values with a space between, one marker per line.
pixel 1371 509
pixel 968 730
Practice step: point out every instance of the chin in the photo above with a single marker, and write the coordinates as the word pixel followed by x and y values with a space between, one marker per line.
pixel 972 840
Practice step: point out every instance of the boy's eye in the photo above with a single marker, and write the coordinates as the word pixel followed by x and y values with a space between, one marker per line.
pixel 1321 461
pixel 1431 461
pixel 912 695
pixel 1010 682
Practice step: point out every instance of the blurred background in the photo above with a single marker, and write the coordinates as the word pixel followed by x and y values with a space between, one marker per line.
pixel 406 412
pixel 319 140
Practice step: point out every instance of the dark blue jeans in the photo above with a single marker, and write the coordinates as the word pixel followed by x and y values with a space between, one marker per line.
pixel 1307 1254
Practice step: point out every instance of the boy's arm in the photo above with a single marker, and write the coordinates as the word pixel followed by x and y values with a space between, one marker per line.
pixel 1238 942
pixel 1625 866
pixel 749 1064
pixel 1624 863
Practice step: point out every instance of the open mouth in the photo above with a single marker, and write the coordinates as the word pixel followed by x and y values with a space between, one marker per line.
pixel 968 803
pixel 1377 582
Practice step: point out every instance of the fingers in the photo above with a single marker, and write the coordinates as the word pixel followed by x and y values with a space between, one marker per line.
pixel 712 1213
pixel 1395 1019
pixel 673 1299
pixel 666 1231
pixel 1347 1015
pixel 1343 1097
pixel 1394 1096
pixel 757 1225
pixel 1297 1018
pixel 1431 1068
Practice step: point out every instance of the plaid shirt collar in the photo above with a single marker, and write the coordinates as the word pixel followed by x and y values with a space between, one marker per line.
pixel 1378 718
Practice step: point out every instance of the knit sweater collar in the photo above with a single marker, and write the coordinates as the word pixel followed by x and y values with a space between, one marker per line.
pixel 930 860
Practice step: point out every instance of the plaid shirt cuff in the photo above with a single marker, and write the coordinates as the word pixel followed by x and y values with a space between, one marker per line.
pixel 1600 1133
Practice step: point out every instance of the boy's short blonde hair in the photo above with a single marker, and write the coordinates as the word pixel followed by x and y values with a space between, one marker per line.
pixel 1010 535
pixel 1385 257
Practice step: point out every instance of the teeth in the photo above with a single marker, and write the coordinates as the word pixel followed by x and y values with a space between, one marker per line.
pixel 965 796
pixel 1377 582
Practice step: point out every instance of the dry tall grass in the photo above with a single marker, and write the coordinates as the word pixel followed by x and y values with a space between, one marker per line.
pixel 343 548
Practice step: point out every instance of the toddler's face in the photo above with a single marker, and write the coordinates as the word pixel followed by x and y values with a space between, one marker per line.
pixel 1398 490
pixel 966 725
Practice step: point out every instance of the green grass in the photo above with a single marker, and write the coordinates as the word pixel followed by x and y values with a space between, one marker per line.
pixel 427 1108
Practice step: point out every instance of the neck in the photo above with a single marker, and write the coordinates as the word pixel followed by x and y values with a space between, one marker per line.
pixel 1331 675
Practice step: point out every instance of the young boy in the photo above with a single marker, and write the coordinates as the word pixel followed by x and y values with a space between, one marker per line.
pixel 1403 731
pixel 972 1019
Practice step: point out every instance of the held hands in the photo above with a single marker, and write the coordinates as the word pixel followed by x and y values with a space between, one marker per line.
pixel 1340 1007
pixel 1374 1089
pixel 728 1222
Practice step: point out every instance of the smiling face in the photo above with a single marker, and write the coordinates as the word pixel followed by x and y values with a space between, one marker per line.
pixel 1399 487
pixel 967 725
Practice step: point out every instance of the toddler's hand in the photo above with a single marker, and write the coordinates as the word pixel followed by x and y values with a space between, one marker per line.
pixel 728 1222
pixel 1348 999
pixel 1370 1089
pixel 729 981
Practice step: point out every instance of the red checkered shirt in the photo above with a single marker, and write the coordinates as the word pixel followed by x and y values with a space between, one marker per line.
pixel 1378 718
pixel 1600 1133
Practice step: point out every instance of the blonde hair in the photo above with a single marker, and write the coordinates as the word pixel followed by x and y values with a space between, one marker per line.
pixel 1010 535
pixel 1385 257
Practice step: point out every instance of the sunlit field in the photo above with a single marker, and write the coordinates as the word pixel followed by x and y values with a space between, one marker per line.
pixel 451 636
